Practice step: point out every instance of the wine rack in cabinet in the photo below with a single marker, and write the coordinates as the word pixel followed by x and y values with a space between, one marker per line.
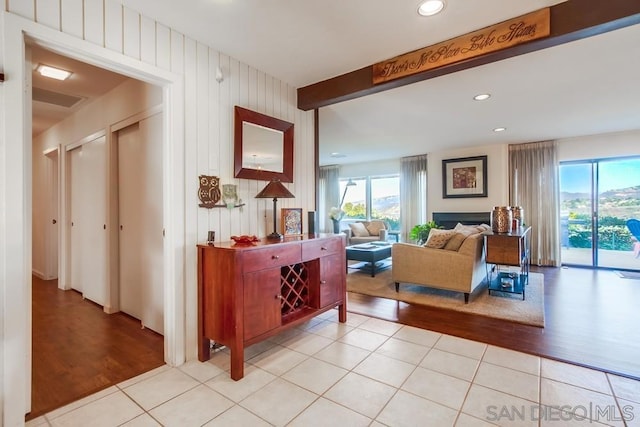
pixel 247 293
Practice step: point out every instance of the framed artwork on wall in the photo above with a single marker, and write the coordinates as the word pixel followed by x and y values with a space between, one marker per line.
pixel 464 177
pixel 291 221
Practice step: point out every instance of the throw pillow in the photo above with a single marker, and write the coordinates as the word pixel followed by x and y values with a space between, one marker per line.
pixel 358 229
pixel 374 227
pixel 457 239
pixel 474 228
pixel 467 228
pixel 485 227
pixel 438 238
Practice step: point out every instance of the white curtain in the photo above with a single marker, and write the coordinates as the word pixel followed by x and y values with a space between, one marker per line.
pixel 413 193
pixel 534 185
pixel 329 191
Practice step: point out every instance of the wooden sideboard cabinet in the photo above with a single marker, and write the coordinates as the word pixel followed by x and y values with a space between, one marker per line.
pixel 247 293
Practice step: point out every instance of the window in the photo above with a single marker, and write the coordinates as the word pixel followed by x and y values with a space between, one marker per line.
pixel 597 197
pixel 373 197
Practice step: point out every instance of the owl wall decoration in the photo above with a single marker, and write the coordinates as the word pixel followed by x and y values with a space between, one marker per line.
pixel 209 192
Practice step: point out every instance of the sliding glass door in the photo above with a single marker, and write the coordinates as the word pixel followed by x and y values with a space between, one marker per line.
pixel 597 197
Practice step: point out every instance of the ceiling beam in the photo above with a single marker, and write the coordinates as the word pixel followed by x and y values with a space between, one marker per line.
pixel 571 20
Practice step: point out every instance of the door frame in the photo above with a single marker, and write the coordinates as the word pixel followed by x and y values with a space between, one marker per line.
pixel 15 225
pixel 52 234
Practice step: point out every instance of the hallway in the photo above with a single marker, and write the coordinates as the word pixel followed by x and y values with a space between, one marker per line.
pixel 78 349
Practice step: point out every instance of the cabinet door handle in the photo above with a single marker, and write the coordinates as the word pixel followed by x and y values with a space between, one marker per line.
pixel 323 282
pixel 275 257
pixel 278 296
pixel 322 248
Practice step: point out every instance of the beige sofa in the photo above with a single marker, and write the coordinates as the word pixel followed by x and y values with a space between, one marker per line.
pixel 462 270
pixel 360 232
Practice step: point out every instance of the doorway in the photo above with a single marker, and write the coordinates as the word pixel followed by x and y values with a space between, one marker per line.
pixel 17 164
pixel 597 197
pixel 86 168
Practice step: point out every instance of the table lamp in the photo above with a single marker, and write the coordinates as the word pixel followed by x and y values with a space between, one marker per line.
pixel 274 189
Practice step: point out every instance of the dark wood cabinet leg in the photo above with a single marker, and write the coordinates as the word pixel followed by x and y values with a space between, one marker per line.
pixel 397 286
pixel 466 297
pixel 342 313
pixel 237 362
pixel 204 350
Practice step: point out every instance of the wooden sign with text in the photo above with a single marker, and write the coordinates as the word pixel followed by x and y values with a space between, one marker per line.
pixel 509 33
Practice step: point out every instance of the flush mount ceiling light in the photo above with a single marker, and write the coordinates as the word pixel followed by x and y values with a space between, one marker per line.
pixel 430 7
pixel 482 96
pixel 52 72
pixel 499 129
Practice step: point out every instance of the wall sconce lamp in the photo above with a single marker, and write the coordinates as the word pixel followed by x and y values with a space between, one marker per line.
pixel 275 190
pixel 219 76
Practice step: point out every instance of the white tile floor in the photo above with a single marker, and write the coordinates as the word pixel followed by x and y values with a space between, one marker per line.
pixel 367 372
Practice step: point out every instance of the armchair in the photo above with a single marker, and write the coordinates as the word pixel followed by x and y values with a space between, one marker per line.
pixel 360 232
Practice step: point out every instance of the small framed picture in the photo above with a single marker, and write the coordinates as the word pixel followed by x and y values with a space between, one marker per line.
pixel 291 221
pixel 464 177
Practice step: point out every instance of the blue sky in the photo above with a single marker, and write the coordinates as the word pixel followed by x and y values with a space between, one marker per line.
pixel 575 178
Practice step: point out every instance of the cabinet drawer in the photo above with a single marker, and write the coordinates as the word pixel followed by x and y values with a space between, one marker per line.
pixel 267 257
pixel 313 250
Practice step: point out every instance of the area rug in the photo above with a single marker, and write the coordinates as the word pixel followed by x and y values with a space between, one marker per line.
pixel 498 305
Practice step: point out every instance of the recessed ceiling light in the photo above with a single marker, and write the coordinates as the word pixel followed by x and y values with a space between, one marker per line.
pixel 338 155
pixel 499 129
pixel 52 72
pixel 482 96
pixel 430 7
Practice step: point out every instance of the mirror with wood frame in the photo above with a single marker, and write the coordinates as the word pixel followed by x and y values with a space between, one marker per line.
pixel 263 147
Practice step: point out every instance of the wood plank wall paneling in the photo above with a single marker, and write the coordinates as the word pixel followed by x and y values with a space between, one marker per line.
pixel 24 8
pixel 163 47
pixel 208 104
pixel 113 26
pixel 131 33
pixel 48 13
pixel 72 17
pixel 94 21
pixel 147 40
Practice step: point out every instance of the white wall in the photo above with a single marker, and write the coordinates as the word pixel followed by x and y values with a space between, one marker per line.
pixel 619 144
pixel 104 32
pixel 497 177
pixel 384 167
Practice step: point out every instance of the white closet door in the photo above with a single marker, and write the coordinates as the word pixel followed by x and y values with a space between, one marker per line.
pixel 88 219
pixel 141 225
pixel 76 218
pixel 94 208
pixel 52 230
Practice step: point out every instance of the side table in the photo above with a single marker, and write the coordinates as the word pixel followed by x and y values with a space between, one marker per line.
pixel 508 249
